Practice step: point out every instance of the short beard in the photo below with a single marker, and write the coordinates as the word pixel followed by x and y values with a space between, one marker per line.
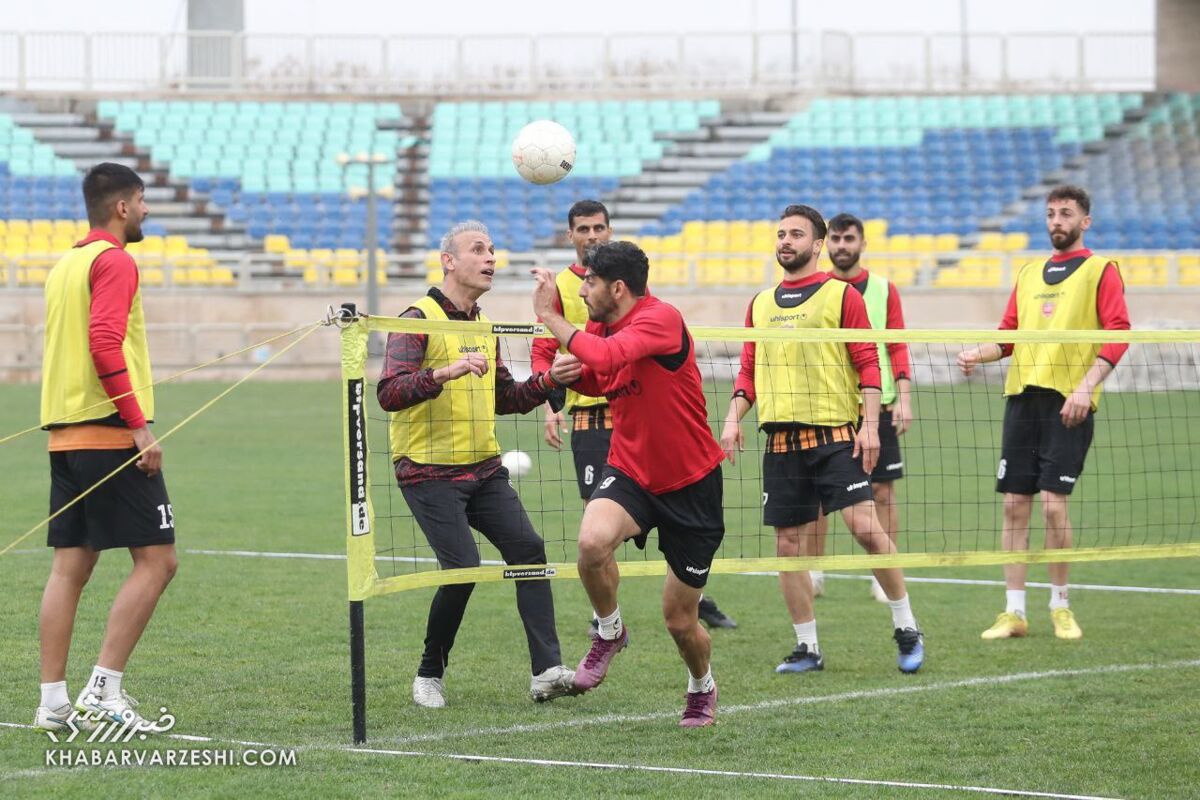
pixel 1069 240
pixel 846 268
pixel 134 234
pixel 802 261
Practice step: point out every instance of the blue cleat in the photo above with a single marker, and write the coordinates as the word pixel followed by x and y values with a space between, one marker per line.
pixel 911 643
pixel 802 660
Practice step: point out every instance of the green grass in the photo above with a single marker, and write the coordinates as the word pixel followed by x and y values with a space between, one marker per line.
pixel 256 649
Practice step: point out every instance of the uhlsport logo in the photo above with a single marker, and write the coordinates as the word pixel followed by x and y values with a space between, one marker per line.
pixel 360 520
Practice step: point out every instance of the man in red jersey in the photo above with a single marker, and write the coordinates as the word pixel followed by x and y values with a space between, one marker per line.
pixel 1052 392
pixel 97 404
pixel 664 466
pixel 591 422
pixel 816 458
pixel 846 241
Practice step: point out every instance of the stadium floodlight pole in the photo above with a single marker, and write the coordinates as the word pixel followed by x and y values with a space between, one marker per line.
pixel 372 235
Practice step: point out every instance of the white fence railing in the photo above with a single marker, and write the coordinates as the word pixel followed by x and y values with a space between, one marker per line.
pixel 222 62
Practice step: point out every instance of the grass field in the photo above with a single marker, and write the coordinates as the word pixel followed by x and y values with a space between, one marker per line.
pixel 254 649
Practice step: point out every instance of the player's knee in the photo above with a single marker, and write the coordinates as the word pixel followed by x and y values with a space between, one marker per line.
pixel 884 493
pixel 787 542
pixel 681 624
pixel 1054 510
pixel 594 549
pixel 1017 506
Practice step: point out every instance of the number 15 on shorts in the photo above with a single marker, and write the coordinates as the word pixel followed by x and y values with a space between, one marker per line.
pixel 168 517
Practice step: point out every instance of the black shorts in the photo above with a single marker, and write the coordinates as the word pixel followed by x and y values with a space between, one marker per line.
pixel 590 449
pixel 890 466
pixel 128 510
pixel 690 521
pixel 798 485
pixel 1038 452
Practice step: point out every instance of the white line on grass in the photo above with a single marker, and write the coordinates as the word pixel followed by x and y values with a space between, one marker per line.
pixel 911 579
pixel 862 694
pixel 545 762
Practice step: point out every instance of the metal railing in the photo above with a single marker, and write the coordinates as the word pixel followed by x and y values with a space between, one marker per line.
pixel 674 63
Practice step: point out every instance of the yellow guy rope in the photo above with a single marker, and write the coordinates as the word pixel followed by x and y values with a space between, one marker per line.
pixel 311 328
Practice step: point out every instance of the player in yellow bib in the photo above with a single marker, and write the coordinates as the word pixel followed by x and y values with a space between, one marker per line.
pixel 818 455
pixel 97 403
pixel 444 392
pixel 1052 391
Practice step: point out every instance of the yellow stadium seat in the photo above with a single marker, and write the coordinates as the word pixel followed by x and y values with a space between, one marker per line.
pixel 1014 242
pixel 380 275
pixel 343 276
pixel 222 276
pixel 173 245
pixel 672 245
pixel 151 277
pixel 295 259
pixel 668 272
pixel 1189 260
pixel 14 246
pixel 945 243
pixel 151 245
pixel 3 228
pixel 276 243
pixel 346 258
pixel 875 229
pixel 39 243
pixel 199 276
pixel 82 226
pixel 313 274
pixel 321 256
pixel 18 227
pixel 41 227
pixel 433 276
pixel 64 227
pixel 948 277
pixel 179 275
pixel 650 245
pixel 923 243
pixel 32 275
pixel 1189 276
pixel 991 241
pixel 901 243
pixel 503 259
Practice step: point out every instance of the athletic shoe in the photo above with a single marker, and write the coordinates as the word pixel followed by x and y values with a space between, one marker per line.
pixel 554 682
pixel 120 709
pixel 714 617
pixel 1065 626
pixel 818 582
pixel 911 643
pixel 877 591
pixel 802 660
pixel 59 719
pixel 429 692
pixel 701 709
pixel 594 666
pixel 1007 626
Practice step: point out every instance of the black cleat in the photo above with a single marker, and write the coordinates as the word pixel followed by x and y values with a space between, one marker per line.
pixel 713 616
pixel 802 660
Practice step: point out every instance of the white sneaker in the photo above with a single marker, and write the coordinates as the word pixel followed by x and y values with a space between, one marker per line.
pixel 554 682
pixel 818 582
pixel 877 591
pixel 429 692
pixel 119 709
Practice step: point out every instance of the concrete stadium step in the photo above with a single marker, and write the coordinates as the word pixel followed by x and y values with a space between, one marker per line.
pixel 747 133
pixel 79 133
pixel 42 119
pixel 713 149
pixel 91 149
pixel 83 164
pixel 658 194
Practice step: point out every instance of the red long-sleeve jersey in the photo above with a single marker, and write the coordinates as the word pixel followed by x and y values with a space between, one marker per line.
pixel 542 351
pixel 114 280
pixel 645 365
pixel 897 351
pixel 863 355
pixel 1110 307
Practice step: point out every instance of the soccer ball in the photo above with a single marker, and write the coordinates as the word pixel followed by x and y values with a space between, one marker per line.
pixel 543 152
pixel 517 462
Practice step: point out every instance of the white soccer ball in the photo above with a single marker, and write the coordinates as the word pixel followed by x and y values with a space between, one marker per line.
pixel 543 152
pixel 517 462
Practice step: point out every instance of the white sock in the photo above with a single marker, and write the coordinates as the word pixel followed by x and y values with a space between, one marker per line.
pixel 806 633
pixel 610 626
pixel 1058 597
pixel 105 683
pixel 704 684
pixel 902 616
pixel 1015 602
pixel 54 695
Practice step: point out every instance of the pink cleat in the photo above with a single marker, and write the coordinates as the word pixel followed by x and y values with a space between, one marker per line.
pixel 594 666
pixel 701 709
